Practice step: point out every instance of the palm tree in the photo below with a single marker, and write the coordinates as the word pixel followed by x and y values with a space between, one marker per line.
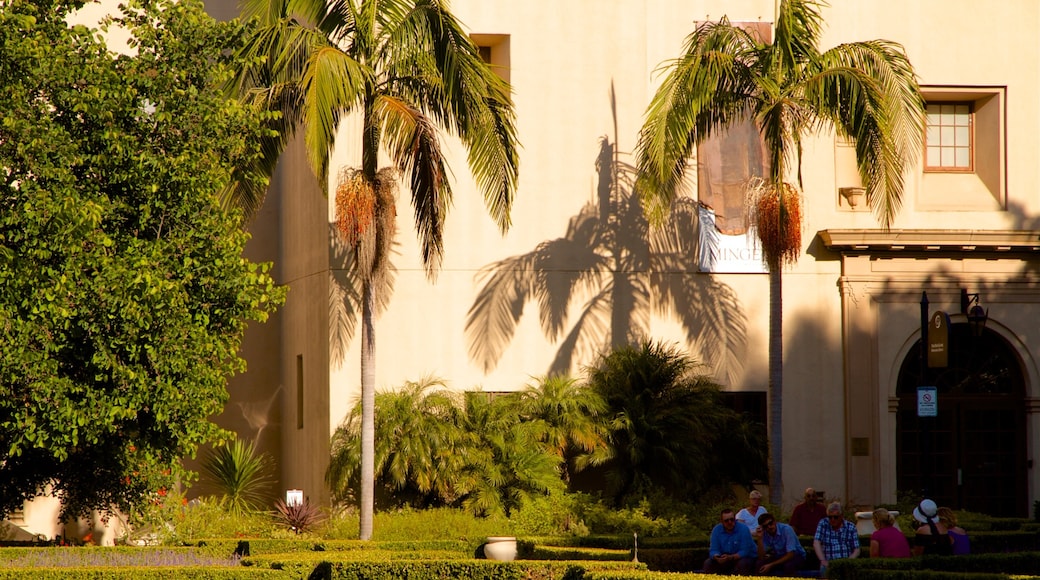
pixel 667 424
pixel 567 418
pixel 506 467
pixel 865 91
pixel 420 450
pixel 437 447
pixel 407 69
pixel 623 269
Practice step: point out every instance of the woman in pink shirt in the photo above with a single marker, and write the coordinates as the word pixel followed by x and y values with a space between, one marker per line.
pixel 887 541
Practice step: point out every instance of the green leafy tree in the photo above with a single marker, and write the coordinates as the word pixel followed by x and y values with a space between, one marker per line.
pixel 865 91
pixel 408 70
pixel 667 426
pixel 123 290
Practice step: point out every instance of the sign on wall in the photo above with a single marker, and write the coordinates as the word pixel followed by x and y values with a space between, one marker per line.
pixel 938 340
pixel 726 253
pixel 927 402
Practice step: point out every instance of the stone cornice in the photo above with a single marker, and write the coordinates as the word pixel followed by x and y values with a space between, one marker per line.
pixel 877 240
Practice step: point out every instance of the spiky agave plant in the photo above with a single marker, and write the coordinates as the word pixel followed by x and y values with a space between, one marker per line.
pixel 241 474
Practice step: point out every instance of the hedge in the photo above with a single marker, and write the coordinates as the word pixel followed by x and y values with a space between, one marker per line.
pixel 464 570
pixel 1027 563
pixel 141 573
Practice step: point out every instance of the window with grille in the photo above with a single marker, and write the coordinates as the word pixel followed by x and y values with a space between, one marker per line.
pixel 948 139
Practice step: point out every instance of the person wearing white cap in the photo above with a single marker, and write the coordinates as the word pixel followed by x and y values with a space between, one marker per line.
pixel 932 536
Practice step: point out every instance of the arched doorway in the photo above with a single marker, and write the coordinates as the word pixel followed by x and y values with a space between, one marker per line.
pixel 973 454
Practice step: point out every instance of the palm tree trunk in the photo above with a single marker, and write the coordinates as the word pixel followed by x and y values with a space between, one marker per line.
pixel 369 161
pixel 368 412
pixel 776 385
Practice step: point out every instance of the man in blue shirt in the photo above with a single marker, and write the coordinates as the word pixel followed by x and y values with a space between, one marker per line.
pixel 779 551
pixel 835 538
pixel 732 548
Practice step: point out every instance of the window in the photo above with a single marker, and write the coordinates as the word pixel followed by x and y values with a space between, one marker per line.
pixel 494 50
pixel 965 149
pixel 948 139
pixel 299 391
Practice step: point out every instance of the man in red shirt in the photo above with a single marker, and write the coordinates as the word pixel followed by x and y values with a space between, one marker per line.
pixel 807 514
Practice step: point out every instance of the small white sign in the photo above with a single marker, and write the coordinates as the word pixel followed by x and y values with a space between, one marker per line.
pixel 293 497
pixel 927 402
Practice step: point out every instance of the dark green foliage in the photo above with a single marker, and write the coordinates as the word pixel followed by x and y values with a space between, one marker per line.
pixel 141 573
pixel 669 429
pixel 436 447
pixel 463 570
pixel 123 291
pixel 997 565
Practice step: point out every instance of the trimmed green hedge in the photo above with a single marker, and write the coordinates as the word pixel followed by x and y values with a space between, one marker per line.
pixel 925 575
pixel 464 570
pixel 566 553
pixel 226 547
pixel 141 573
pixel 1027 563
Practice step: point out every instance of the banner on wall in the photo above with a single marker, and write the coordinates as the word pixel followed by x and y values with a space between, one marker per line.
pixel 727 253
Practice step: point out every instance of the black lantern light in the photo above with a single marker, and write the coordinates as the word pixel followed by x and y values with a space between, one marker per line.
pixel 977 316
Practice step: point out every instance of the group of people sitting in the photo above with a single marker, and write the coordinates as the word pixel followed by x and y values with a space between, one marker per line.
pixel 752 541
pixel 938 533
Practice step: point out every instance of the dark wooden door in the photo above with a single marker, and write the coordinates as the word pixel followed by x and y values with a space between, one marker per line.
pixel 973 455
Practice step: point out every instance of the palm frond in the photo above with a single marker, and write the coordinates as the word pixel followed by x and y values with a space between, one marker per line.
pixel 707 88
pixel 871 96
pixel 461 93
pixel 413 143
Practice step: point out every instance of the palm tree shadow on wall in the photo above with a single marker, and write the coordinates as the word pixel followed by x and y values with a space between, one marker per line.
pixel 345 295
pixel 624 270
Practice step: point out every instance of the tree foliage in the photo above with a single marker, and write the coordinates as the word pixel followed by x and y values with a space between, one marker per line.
pixel 865 91
pixel 669 430
pixel 437 447
pixel 410 71
pixel 123 290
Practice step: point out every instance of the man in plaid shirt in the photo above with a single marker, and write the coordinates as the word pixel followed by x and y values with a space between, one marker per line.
pixel 835 538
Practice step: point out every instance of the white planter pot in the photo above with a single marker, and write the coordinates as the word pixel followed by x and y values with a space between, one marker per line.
pixel 501 548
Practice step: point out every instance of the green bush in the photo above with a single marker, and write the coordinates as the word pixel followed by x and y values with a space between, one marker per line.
pixel 1019 563
pixel 139 573
pixel 264 546
pixel 438 524
pixel 642 519
pixel 464 570
pixel 177 522
pixel 555 513
pixel 570 553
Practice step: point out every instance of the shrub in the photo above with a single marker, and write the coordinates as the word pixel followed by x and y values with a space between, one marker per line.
pixel 206 518
pixel 299 517
pixel 641 519
pixel 555 513
pixel 438 524
pixel 241 474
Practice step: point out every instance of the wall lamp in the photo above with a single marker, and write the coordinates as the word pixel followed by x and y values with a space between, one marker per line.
pixel 977 316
